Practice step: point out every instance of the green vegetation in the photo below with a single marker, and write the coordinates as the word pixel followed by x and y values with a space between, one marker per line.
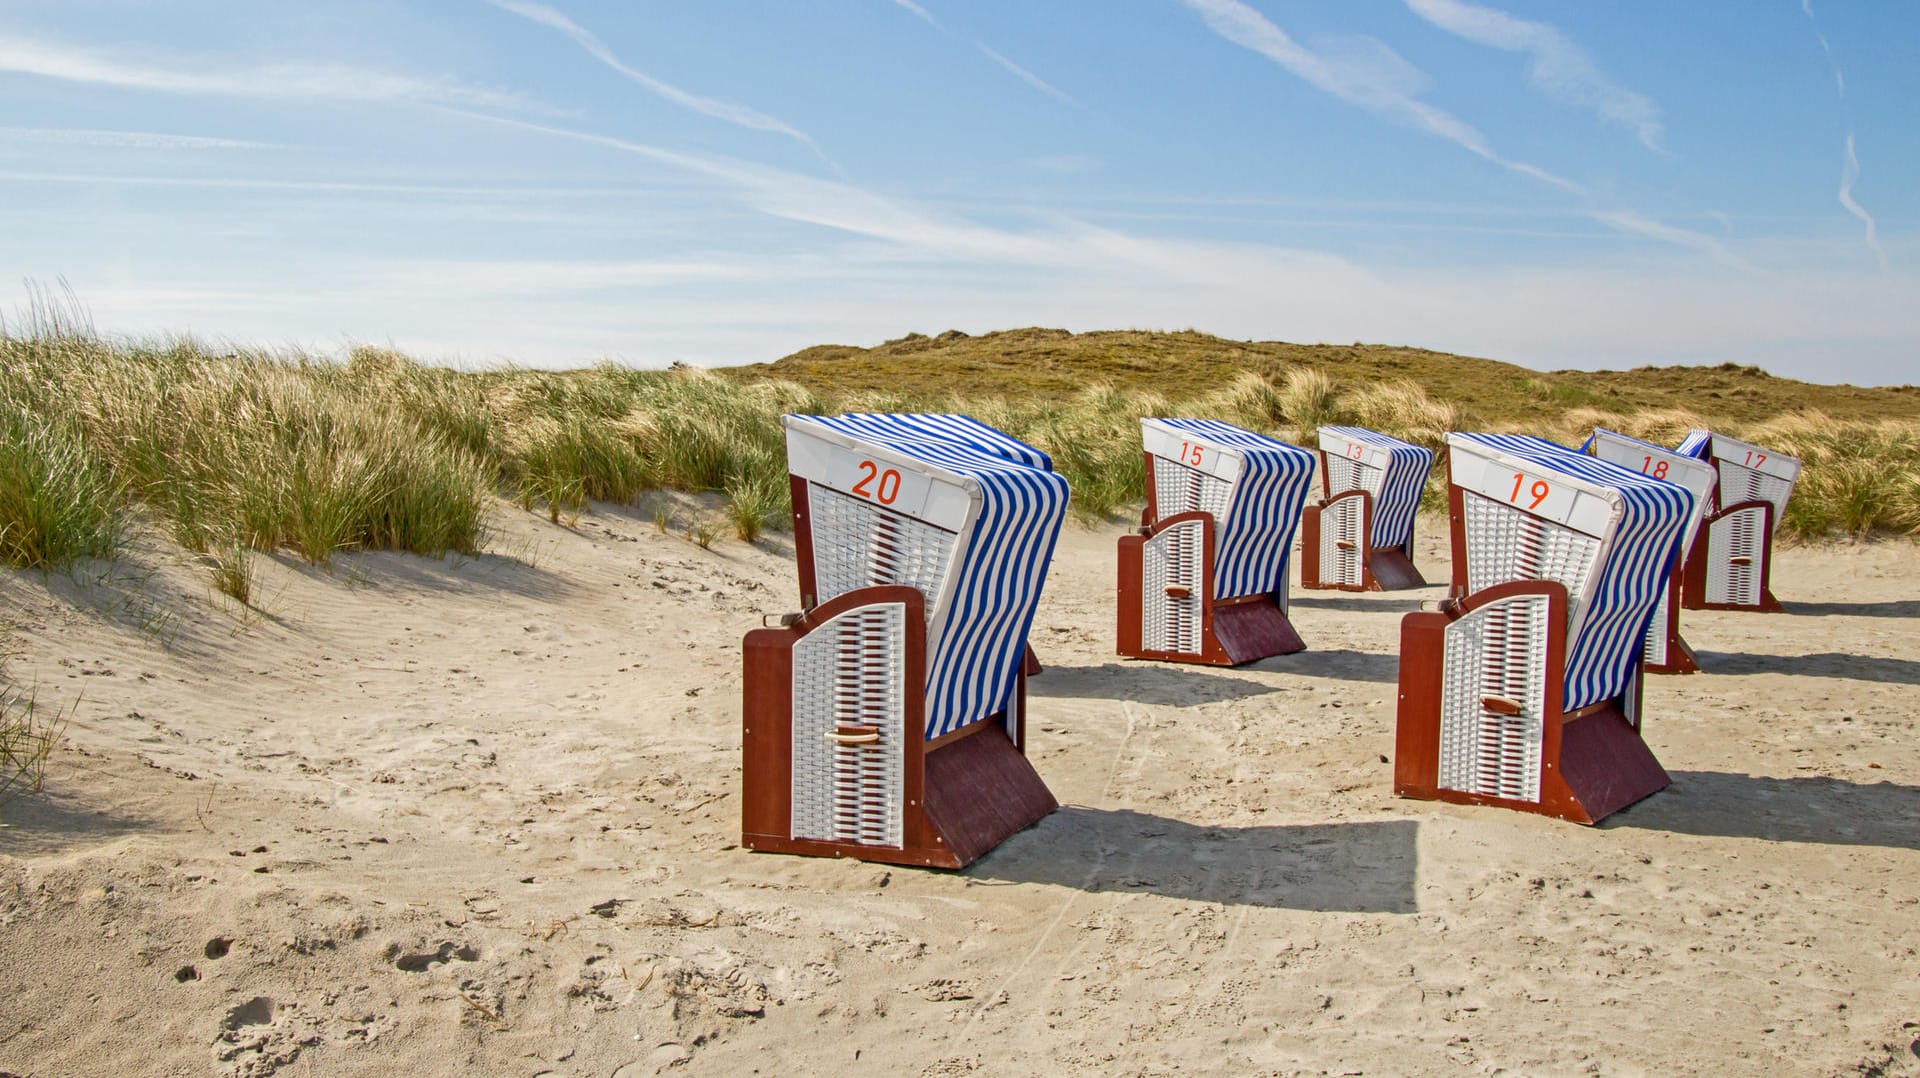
pixel 231 452
pixel 27 737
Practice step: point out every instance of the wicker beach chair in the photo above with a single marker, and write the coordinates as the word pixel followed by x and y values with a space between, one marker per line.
pixel 887 720
pixel 1667 653
pixel 1360 536
pixel 1525 689
pixel 1205 580
pixel 1731 567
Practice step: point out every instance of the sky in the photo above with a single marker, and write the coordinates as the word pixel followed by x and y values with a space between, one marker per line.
pixel 1555 183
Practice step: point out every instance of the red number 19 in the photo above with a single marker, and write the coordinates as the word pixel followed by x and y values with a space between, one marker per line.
pixel 1539 490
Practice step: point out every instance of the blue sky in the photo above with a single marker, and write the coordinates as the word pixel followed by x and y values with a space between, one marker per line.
pixel 1558 183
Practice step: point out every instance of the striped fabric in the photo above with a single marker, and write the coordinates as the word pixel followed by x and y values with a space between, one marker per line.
pixel 1697 444
pixel 977 623
pixel 1253 537
pixel 1396 493
pixel 1609 623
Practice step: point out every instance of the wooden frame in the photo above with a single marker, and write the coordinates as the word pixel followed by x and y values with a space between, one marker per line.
pixel 1694 591
pixel 1593 762
pixel 1232 631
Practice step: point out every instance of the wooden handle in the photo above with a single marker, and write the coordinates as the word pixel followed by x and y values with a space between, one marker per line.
pixel 1343 545
pixel 1501 705
pixel 1175 591
pixel 1739 561
pixel 853 735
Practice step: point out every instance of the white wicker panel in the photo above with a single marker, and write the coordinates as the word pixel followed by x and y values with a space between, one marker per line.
pixel 857 544
pixel 1180 489
pixel 849 671
pixel 1657 631
pixel 1174 559
pixel 1345 473
pixel 1343 540
pixel 1499 650
pixel 1742 484
pixel 1506 543
pixel 1736 555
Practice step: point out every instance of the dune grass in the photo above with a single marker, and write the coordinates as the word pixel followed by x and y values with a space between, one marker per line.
pixel 27 737
pixel 233 451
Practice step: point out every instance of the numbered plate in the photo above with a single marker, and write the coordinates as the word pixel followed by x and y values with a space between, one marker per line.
pixel 1178 445
pixel 1578 505
pixel 886 479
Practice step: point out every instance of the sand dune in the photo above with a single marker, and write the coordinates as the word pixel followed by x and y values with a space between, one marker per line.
pixel 480 817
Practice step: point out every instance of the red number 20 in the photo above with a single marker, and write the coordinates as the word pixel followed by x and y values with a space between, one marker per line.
pixel 884 491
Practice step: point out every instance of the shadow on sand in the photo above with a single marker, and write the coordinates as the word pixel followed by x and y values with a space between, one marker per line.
pixel 1897 608
pixel 55 822
pixel 1816 809
pixel 1831 664
pixel 1361 867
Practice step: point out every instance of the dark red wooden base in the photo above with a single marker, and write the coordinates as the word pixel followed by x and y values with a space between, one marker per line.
pixel 1383 569
pixel 963 794
pixel 1694 586
pixel 1593 762
pixel 1232 631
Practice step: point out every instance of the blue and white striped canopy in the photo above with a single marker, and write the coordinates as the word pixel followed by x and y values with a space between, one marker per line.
pixel 1254 538
pixel 1605 647
pixel 1698 443
pixel 1398 500
pixel 978 637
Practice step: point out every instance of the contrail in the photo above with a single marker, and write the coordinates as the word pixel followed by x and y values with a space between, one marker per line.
pixel 1030 78
pixel 1850 170
pixel 1012 68
pixel 739 115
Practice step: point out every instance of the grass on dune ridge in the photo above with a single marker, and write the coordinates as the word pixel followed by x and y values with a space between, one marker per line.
pixel 238 451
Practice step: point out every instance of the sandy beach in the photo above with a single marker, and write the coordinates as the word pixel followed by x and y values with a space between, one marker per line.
pixel 480 816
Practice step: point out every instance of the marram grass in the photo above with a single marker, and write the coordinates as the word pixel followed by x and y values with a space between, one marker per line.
pixel 228 451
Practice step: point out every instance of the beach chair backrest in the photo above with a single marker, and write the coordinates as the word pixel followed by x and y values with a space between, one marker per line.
pixel 1536 510
pixel 1394 472
pixel 1747 472
pixel 944 504
pixel 1253 486
pixel 1672 465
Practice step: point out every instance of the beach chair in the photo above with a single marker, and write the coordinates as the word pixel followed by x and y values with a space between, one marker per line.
pixel 1731 566
pixel 1667 653
pixel 887 720
pixel 1524 689
pixel 1360 537
pixel 1205 580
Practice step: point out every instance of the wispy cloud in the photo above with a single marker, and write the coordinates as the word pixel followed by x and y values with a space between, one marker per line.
pixel 1850 169
pixel 1030 78
pixel 128 140
pixel 1559 67
pixel 1381 88
pixel 922 12
pixel 727 111
pixel 1641 225
pixel 224 78
pixel 1848 176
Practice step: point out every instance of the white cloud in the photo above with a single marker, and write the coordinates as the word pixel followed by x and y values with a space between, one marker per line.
pixel 1376 80
pixel 224 78
pixel 727 111
pixel 1559 67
